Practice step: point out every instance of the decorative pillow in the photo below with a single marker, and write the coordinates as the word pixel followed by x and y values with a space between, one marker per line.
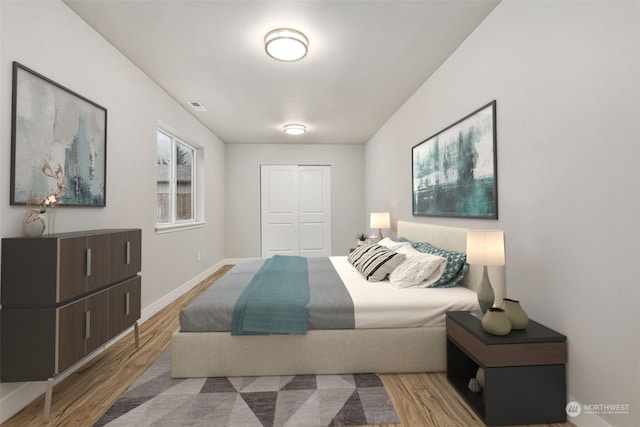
pixel 375 262
pixel 392 244
pixel 417 270
pixel 456 264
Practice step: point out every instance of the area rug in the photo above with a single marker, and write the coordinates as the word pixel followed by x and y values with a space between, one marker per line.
pixel 301 400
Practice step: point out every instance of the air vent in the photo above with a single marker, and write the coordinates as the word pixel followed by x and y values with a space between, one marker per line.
pixel 197 106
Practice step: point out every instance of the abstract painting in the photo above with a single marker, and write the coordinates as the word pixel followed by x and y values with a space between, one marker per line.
pixel 455 170
pixel 55 129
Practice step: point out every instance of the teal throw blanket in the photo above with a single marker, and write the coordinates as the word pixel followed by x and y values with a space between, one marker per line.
pixel 275 300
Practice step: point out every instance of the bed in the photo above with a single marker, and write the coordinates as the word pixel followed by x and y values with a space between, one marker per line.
pixel 396 347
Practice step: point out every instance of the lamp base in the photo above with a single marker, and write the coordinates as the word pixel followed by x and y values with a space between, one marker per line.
pixel 486 297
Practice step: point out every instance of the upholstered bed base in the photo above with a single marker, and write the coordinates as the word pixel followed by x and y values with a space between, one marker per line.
pixel 210 354
pixel 197 354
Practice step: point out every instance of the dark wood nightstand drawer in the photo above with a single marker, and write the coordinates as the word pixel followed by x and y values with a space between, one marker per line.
pixel 536 353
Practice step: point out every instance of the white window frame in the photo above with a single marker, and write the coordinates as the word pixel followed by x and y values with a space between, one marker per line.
pixel 197 180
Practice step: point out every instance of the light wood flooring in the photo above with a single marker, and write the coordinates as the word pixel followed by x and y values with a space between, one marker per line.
pixel 421 400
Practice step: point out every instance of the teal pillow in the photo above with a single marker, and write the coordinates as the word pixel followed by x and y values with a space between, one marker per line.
pixel 456 264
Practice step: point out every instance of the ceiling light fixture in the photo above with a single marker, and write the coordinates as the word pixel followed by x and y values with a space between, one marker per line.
pixel 294 129
pixel 285 44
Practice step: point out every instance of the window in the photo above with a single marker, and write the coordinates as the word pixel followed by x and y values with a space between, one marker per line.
pixel 176 181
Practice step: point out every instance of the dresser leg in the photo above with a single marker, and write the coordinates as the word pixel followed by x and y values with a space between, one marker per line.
pixel 136 334
pixel 47 400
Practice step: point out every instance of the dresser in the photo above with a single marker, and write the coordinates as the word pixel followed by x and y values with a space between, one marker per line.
pixel 63 296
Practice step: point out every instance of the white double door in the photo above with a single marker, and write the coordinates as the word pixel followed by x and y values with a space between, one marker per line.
pixel 295 205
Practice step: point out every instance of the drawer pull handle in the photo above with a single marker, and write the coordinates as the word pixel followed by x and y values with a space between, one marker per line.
pixel 87 325
pixel 128 252
pixel 89 262
pixel 127 303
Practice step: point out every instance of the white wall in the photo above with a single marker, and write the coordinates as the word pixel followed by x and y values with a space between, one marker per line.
pixel 49 38
pixel 566 79
pixel 243 191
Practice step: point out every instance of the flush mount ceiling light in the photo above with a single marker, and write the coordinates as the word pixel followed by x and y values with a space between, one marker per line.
pixel 294 129
pixel 285 44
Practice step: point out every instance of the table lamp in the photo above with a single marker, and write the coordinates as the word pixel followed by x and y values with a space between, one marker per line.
pixel 380 220
pixel 485 247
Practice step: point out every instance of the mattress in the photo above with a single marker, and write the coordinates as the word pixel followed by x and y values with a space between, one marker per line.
pixel 343 300
pixel 378 305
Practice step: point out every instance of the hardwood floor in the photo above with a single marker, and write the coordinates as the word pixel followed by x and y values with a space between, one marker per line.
pixel 424 399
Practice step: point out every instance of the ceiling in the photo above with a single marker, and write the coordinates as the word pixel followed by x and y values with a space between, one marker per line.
pixel 366 58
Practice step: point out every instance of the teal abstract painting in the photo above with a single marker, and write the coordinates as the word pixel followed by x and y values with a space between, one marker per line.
pixel 454 171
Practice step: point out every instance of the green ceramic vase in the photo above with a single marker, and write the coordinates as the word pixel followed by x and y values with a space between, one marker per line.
pixel 518 318
pixel 496 322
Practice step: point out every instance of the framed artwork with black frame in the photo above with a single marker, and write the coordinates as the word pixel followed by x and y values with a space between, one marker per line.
pixel 56 133
pixel 455 171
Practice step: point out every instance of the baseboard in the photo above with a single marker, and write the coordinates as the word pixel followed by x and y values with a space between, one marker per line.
pixel 15 396
pixel 16 399
pixel 237 260
pixel 158 305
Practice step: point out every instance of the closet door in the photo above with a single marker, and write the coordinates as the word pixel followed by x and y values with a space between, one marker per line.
pixel 295 210
pixel 314 211
pixel 279 206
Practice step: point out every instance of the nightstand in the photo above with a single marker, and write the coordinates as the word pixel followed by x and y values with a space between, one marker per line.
pixel 525 371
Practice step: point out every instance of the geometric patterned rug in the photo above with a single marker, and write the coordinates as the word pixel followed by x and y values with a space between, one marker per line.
pixel 298 400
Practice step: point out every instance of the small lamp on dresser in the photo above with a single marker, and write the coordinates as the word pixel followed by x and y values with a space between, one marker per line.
pixel 380 220
pixel 485 248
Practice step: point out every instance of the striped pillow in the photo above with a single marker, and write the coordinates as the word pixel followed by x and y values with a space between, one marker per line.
pixel 375 262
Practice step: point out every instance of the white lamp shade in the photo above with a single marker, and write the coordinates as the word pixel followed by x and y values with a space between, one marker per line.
pixel 485 247
pixel 380 220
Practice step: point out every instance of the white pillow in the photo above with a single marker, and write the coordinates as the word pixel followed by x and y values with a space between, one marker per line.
pixel 392 244
pixel 417 270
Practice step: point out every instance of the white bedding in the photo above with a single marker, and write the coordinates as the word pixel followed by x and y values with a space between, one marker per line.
pixel 380 305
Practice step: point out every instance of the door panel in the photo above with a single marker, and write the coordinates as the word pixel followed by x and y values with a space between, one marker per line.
pixel 125 255
pixel 311 190
pixel 98 322
pixel 311 237
pixel 124 305
pixel 73 267
pixel 117 309
pixel 315 211
pixel 134 288
pixel 135 252
pixel 282 238
pixel 295 210
pixel 279 207
pixel 71 332
pixel 98 275
pixel 280 183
